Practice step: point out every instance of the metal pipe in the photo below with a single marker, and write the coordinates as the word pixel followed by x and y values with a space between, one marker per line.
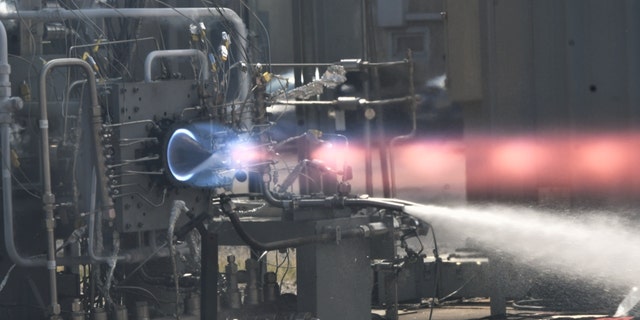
pixel 65 109
pixel 98 157
pixel 48 198
pixel 368 165
pixel 294 64
pixel 362 102
pixel 334 202
pixel 191 14
pixel 411 134
pixel 369 114
pixel 134 255
pixel 364 28
pixel 5 132
pixel 360 63
pixel 363 231
pixel 5 68
pixel 204 71
pixel 59 14
pixel 7 105
pixel 106 43
pixel 95 257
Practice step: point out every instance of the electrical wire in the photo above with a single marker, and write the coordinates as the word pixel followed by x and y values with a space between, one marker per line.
pixel 228 26
pixel 286 270
pixel 266 32
pixel 84 18
pixel 30 62
pixel 32 38
pixel 457 290
pixel 235 36
pixel 22 186
pixel 6 277
pixel 141 264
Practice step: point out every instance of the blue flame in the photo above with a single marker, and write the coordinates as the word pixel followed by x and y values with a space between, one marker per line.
pixel 199 155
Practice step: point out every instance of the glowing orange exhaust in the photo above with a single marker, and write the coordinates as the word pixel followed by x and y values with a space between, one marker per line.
pixel 594 162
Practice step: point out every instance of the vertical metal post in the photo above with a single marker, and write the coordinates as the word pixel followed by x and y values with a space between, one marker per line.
pixel 368 168
pixel 498 301
pixel 209 277
pixel 369 113
pixel 305 31
pixel 371 48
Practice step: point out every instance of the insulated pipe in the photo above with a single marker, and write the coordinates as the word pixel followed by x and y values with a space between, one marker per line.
pixel 204 71
pixel 271 199
pixel 228 15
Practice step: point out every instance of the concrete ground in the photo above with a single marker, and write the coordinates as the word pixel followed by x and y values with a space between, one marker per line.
pixel 479 309
pixel 478 312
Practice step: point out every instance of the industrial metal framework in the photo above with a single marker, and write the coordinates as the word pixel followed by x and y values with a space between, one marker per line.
pixel 142 139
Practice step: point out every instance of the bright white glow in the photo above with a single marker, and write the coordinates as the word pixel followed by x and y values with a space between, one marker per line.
pixel 170 159
pixel 199 155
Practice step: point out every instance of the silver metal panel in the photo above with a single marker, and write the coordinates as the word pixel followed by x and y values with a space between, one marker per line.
pixel 390 13
pixel 605 65
pixel 550 45
pixel 547 67
pixel 511 68
pixel 342 277
pixel 464 66
pixel 140 202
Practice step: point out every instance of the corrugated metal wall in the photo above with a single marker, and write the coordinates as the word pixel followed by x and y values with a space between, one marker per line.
pixel 539 68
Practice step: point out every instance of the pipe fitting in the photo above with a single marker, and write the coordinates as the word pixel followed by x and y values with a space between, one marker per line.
pixel 11 104
pixel 14 104
pixel 48 198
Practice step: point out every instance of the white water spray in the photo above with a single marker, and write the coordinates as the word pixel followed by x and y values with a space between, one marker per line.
pixel 601 247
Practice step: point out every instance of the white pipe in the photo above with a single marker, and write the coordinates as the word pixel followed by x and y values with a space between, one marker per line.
pixel 204 71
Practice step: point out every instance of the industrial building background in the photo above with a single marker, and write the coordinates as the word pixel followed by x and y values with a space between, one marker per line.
pixel 290 159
